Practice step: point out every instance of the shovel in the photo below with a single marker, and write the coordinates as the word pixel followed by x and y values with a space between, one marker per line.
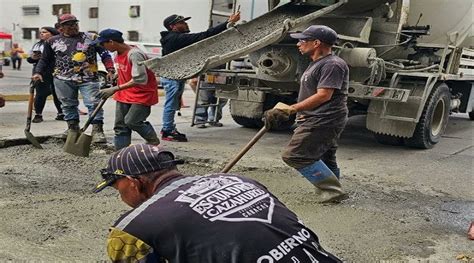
pixel 79 143
pixel 28 134
pixel 244 150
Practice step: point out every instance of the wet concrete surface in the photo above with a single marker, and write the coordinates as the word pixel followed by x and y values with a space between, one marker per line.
pixel 405 204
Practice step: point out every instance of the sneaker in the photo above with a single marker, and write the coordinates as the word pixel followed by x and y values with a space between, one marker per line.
pixel 216 124
pixel 37 118
pixel 59 117
pixel 201 126
pixel 174 136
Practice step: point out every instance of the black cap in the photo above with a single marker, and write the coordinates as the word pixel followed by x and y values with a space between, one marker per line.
pixel 173 19
pixel 135 160
pixel 322 33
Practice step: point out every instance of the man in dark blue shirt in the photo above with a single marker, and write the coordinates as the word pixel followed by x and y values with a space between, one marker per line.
pixel 217 218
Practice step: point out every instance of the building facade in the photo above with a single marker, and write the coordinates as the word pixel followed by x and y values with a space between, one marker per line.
pixel 139 20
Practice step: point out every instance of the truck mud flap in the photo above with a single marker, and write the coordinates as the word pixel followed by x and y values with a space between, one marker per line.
pixel 236 42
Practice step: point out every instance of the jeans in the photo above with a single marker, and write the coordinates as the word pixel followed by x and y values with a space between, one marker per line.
pixel 67 92
pixel 212 113
pixel 130 117
pixel 15 60
pixel 173 91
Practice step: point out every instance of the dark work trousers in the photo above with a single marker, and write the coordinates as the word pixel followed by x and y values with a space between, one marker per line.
pixel 130 117
pixel 43 90
pixel 14 60
pixel 312 142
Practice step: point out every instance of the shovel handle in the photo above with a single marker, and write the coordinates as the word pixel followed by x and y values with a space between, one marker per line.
pixel 244 150
pixel 94 113
pixel 31 98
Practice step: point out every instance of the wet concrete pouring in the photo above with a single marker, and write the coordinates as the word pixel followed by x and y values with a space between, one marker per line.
pixel 50 214
pixel 190 60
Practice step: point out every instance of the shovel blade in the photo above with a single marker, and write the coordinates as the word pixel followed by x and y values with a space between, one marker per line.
pixel 33 140
pixel 78 143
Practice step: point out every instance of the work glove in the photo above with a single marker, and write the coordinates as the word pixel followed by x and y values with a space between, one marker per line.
pixel 275 117
pixel 105 93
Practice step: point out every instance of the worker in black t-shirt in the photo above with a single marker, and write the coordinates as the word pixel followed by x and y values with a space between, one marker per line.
pixel 321 114
pixel 217 218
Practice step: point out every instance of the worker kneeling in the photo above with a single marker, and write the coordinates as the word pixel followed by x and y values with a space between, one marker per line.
pixel 214 218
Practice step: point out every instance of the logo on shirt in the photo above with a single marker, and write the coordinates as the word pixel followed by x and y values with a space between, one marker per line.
pixel 59 46
pixel 228 199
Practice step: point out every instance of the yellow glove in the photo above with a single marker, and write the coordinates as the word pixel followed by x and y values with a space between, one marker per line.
pixel 286 108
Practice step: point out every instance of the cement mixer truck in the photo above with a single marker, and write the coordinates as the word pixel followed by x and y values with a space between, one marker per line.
pixel 411 62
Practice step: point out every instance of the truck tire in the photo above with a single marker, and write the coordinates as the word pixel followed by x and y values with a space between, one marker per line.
pixel 270 101
pixel 388 139
pixel 433 120
pixel 248 122
pixel 471 115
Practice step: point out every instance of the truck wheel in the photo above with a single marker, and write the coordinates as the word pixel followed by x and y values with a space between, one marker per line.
pixel 270 101
pixel 433 120
pixel 388 139
pixel 471 115
pixel 247 122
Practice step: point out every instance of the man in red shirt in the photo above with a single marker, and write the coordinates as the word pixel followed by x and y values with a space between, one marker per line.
pixel 135 93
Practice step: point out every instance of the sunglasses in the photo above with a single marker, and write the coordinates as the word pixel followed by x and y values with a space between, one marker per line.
pixel 72 23
pixel 110 177
pixel 305 40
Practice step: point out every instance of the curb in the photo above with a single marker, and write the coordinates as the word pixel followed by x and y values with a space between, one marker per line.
pixel 25 97
pixel 22 141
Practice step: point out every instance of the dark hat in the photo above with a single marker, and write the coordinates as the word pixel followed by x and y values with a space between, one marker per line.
pixel 173 19
pixel 323 33
pixel 135 160
pixel 51 30
pixel 108 34
pixel 67 18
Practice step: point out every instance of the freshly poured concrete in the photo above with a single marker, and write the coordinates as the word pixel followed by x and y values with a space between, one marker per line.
pixel 49 213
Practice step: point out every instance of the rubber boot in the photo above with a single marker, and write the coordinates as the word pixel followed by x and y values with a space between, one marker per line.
pixel 330 190
pixel 149 134
pixel 153 140
pixel 328 187
pixel 336 172
pixel 71 125
pixel 122 141
pixel 98 135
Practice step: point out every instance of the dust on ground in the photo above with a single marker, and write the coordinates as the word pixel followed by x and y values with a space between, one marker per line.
pixel 50 214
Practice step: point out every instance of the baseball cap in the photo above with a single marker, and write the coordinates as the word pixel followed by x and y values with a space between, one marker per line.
pixel 108 34
pixel 135 160
pixel 173 19
pixel 323 33
pixel 66 18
